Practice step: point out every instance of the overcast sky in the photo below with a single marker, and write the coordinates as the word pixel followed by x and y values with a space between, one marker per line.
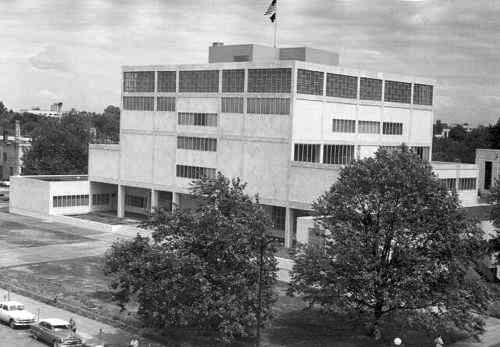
pixel 72 50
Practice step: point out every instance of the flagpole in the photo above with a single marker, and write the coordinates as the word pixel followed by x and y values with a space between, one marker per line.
pixel 276 30
pixel 276 27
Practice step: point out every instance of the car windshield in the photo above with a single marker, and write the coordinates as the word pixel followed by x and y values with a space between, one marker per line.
pixel 16 307
pixel 60 327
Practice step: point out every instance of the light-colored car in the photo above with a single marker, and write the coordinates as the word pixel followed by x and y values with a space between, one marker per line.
pixel 14 314
pixel 56 332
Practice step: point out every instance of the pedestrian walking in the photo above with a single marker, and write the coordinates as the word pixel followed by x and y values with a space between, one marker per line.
pixel 72 325
pixel 439 341
pixel 134 342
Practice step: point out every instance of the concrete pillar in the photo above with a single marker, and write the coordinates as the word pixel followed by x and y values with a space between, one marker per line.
pixel 289 235
pixel 154 199
pixel 120 203
pixel 175 201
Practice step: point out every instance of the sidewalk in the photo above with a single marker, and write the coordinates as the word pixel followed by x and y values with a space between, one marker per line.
pixel 490 338
pixel 92 332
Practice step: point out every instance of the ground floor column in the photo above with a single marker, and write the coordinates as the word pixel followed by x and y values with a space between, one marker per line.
pixel 154 200
pixel 120 203
pixel 289 234
pixel 175 201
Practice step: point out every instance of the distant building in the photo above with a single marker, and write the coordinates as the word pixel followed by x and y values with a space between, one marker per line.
pixel 12 149
pixel 54 111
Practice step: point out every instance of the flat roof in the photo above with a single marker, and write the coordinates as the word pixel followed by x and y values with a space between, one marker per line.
pixel 60 178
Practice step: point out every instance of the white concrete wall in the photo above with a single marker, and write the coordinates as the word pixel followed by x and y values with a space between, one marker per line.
pixel 69 188
pixel 29 196
pixel 104 162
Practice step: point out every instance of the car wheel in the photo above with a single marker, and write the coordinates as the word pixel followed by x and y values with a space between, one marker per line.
pixel 12 324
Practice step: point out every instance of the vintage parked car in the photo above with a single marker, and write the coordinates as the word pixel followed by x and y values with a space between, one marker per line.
pixel 14 314
pixel 55 332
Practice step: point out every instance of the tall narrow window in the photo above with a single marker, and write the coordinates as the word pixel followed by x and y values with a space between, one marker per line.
pixel 306 152
pixel 343 125
pixel 338 154
pixel 368 127
pixel 389 128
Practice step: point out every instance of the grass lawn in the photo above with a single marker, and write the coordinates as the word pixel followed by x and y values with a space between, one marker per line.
pixel 80 282
pixel 16 234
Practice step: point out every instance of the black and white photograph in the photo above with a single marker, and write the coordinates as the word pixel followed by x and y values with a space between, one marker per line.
pixel 249 173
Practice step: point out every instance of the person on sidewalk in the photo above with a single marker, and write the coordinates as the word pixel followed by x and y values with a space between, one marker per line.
pixel 134 342
pixel 439 341
pixel 72 325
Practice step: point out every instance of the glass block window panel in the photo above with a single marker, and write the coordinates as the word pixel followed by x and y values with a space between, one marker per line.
pixel 422 152
pixel 165 103
pixel 341 86
pixel 232 105
pixel 343 125
pixel 397 92
pixel 338 154
pixel 309 82
pixel 389 128
pixel 449 183
pixel 422 94
pixel 166 81
pixel 197 119
pixel 268 105
pixel 139 81
pixel 194 172
pixel 370 89
pixel 269 80
pixel 203 81
pixel 233 81
pixel 468 183
pixel 306 152
pixel 197 143
pixel 138 103
pixel 368 127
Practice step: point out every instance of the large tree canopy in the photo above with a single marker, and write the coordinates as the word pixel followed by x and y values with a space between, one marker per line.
pixel 201 267
pixel 60 146
pixel 397 244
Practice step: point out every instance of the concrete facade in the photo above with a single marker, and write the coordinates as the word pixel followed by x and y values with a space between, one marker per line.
pixel 257 146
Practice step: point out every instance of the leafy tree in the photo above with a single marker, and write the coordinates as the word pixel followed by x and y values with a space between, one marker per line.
pixel 59 147
pixel 201 267
pixel 3 109
pixel 108 125
pixel 397 248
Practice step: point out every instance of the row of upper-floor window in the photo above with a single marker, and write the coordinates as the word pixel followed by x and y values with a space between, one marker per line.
pixel 228 104
pixel 278 80
pixel 366 127
pixel 341 154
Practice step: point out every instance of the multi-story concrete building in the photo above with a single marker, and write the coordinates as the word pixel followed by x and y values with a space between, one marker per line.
pixel 12 149
pixel 284 120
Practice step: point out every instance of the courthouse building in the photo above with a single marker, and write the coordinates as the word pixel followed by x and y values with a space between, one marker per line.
pixel 284 120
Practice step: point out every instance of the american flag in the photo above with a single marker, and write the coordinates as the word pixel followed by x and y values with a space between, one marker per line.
pixel 271 10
